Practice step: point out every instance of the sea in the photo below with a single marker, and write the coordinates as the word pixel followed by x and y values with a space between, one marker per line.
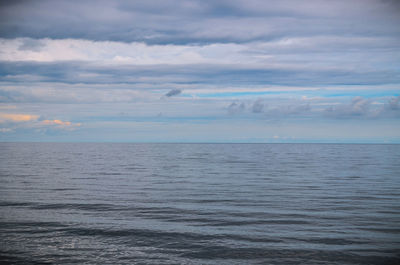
pixel 124 203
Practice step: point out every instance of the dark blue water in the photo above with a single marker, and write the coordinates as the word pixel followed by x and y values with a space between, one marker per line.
pixel 199 203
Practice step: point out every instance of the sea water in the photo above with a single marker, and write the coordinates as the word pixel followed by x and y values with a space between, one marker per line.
pixel 104 203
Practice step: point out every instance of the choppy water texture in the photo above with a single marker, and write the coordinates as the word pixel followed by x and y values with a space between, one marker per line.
pixel 199 203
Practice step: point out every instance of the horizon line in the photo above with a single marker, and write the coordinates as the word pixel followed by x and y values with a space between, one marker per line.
pixel 132 142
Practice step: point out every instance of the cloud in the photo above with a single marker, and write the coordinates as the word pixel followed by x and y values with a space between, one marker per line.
pixel 82 58
pixel 173 92
pixel 258 106
pixel 8 117
pixel 6 130
pixel 58 125
pixel 236 108
pixel 90 82
pixel 195 21
pixel 393 103
pixel 391 109
pixel 359 107
pixel 59 122
pixel 29 44
pixel 11 122
pixel 294 109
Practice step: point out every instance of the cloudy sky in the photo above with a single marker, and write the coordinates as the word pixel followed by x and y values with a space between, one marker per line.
pixel 200 71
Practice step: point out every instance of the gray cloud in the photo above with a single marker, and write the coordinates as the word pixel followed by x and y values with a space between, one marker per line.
pixel 13 96
pixel 280 109
pixel 91 73
pixel 393 103
pixel 173 92
pixel 293 109
pixel 31 45
pixel 236 108
pixel 258 106
pixel 196 21
pixel 359 106
pixel 392 108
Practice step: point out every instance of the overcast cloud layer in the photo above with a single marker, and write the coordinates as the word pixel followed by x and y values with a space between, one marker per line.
pixel 200 71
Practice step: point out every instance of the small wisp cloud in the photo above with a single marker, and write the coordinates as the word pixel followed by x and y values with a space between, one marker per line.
pixel 173 92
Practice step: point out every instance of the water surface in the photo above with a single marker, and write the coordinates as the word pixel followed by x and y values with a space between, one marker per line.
pixel 67 203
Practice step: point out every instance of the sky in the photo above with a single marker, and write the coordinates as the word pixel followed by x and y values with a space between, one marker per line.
pixel 246 71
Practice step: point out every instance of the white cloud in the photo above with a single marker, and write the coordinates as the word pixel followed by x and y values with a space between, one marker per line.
pixel 12 117
pixel 6 130
pixel 59 123
pixel 328 52
pixel 117 52
pixel 12 121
